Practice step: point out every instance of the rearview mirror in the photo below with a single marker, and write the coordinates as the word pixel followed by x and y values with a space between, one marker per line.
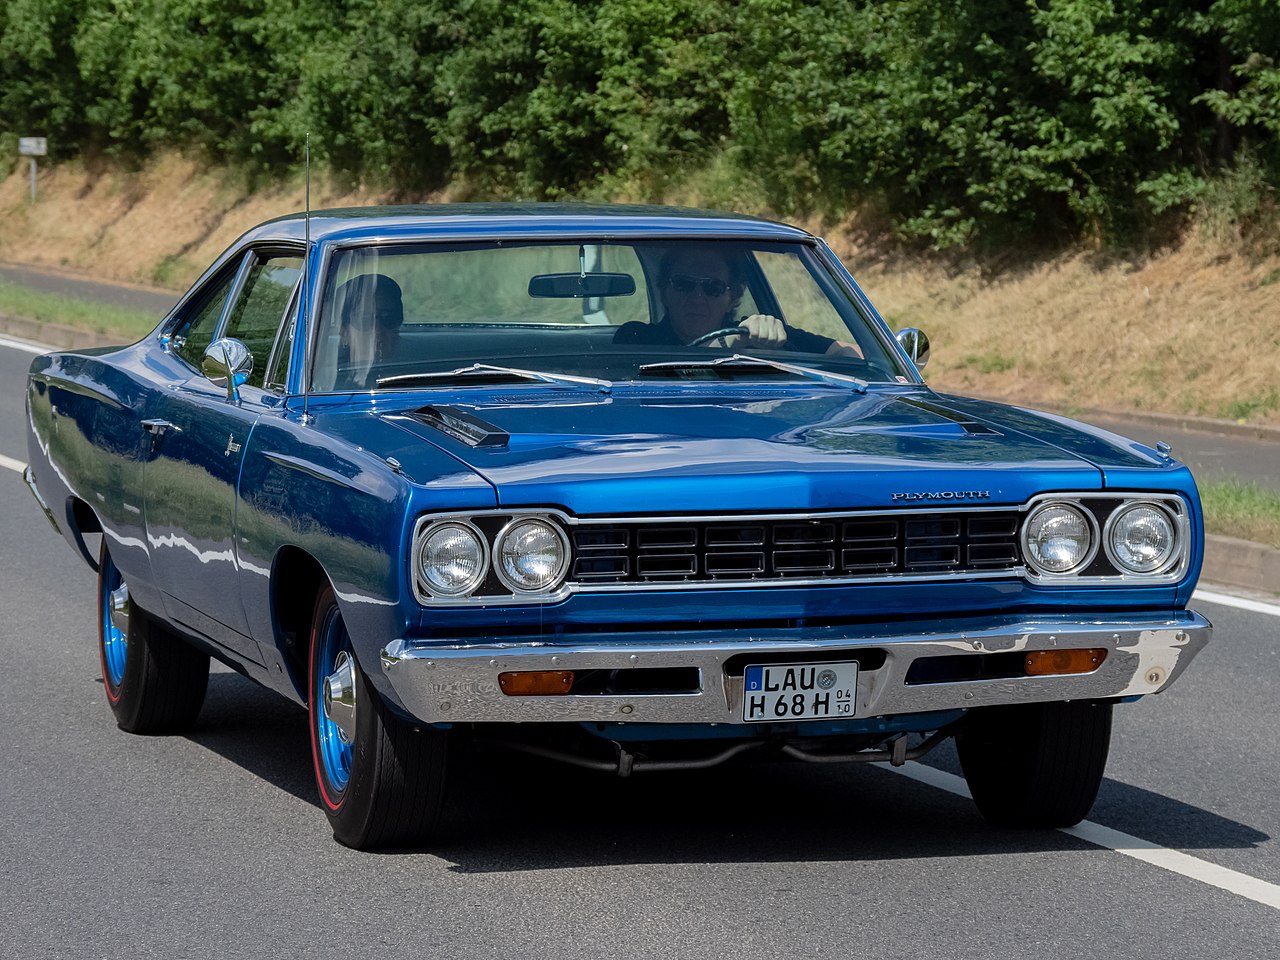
pixel 581 286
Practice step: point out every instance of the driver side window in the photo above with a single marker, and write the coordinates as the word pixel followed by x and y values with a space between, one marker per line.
pixel 190 338
pixel 255 318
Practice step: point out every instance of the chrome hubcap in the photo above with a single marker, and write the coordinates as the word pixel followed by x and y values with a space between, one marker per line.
pixel 340 697
pixel 120 609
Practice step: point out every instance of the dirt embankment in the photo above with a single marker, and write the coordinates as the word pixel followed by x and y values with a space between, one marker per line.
pixel 1192 330
pixel 159 226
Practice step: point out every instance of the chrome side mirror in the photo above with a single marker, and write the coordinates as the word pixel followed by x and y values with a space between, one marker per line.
pixel 227 363
pixel 916 344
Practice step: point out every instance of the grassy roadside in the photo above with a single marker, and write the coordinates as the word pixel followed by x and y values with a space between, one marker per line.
pixel 19 301
pixel 1243 510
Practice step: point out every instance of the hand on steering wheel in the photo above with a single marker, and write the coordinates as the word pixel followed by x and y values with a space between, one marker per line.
pixel 722 332
pixel 760 330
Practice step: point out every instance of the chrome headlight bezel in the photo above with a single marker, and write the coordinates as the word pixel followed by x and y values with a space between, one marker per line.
pixel 562 566
pixel 1091 550
pixel 488 527
pixel 1172 555
pixel 431 590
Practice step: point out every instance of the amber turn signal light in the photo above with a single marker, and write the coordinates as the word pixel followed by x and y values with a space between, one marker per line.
pixel 1047 663
pixel 536 683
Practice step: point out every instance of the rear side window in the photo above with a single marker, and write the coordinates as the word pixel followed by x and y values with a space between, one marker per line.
pixel 258 310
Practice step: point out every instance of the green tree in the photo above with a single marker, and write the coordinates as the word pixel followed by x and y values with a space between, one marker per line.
pixel 962 121
pixel 40 85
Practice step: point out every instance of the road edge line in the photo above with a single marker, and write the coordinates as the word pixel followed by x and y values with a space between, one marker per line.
pixel 26 346
pixel 1240 603
pixel 1175 861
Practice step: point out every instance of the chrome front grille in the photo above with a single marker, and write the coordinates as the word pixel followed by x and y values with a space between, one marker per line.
pixel 779 549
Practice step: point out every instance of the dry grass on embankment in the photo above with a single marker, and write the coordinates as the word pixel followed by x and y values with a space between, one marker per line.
pixel 1192 330
pixel 159 226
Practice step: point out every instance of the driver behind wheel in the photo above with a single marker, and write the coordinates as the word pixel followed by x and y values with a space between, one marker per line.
pixel 369 333
pixel 701 292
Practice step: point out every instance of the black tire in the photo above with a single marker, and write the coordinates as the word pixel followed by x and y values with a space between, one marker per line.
pixel 389 788
pixel 160 686
pixel 1038 764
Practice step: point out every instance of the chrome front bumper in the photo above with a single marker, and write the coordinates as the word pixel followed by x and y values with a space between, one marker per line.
pixel 458 683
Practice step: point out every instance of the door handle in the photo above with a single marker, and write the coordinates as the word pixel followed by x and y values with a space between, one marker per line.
pixel 158 427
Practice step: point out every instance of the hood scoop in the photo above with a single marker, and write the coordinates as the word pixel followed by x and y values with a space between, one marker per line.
pixel 971 427
pixel 461 425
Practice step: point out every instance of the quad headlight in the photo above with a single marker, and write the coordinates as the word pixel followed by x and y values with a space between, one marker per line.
pixel 452 558
pixel 1141 538
pixel 531 555
pixel 493 557
pixel 1058 537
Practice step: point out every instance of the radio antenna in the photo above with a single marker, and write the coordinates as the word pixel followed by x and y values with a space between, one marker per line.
pixel 303 303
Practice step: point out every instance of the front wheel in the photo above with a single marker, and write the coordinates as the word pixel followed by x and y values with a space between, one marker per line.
pixel 381 780
pixel 1037 764
pixel 155 681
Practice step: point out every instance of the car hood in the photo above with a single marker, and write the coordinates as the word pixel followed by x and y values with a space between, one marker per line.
pixel 700 449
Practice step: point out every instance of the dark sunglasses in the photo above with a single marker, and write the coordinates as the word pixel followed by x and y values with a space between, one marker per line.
pixel 710 286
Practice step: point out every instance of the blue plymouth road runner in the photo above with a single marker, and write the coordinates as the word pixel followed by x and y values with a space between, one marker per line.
pixel 633 488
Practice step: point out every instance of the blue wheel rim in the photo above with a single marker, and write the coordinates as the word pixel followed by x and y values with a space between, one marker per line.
pixel 335 756
pixel 115 643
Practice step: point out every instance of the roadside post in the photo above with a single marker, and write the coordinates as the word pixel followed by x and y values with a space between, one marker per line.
pixel 33 147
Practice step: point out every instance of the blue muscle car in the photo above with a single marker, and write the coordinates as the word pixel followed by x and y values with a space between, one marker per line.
pixel 632 488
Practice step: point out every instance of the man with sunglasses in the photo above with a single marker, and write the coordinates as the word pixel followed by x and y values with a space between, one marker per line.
pixel 700 295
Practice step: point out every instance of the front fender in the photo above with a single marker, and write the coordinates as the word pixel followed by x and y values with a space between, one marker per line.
pixel 353 514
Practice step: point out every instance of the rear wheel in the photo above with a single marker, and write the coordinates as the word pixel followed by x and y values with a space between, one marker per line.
pixel 381 781
pixel 1037 764
pixel 155 681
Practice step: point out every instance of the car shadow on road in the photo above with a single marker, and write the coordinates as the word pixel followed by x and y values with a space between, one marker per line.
pixel 259 731
pixel 523 814
pixel 513 812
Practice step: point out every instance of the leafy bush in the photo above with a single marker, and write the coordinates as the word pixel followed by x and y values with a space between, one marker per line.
pixel 962 121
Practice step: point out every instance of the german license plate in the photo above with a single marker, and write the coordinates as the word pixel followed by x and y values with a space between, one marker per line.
pixel 799 691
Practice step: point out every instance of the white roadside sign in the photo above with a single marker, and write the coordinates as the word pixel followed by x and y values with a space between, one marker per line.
pixel 32 146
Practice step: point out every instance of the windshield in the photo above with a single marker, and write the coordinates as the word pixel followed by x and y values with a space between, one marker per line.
pixel 412 315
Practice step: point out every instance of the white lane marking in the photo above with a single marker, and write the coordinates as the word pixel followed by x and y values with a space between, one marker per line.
pixel 17 465
pixel 25 345
pixel 1240 603
pixel 1174 861
pixel 1251 888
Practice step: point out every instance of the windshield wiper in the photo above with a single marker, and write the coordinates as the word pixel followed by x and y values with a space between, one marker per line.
pixel 745 364
pixel 491 373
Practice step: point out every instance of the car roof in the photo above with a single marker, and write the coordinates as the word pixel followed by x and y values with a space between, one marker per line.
pixel 526 220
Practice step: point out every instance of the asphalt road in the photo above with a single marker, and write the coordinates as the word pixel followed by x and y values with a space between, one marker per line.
pixel 1210 456
pixel 213 844
pixel 145 299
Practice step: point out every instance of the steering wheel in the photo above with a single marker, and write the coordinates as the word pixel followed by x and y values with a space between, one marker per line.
pixel 722 332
